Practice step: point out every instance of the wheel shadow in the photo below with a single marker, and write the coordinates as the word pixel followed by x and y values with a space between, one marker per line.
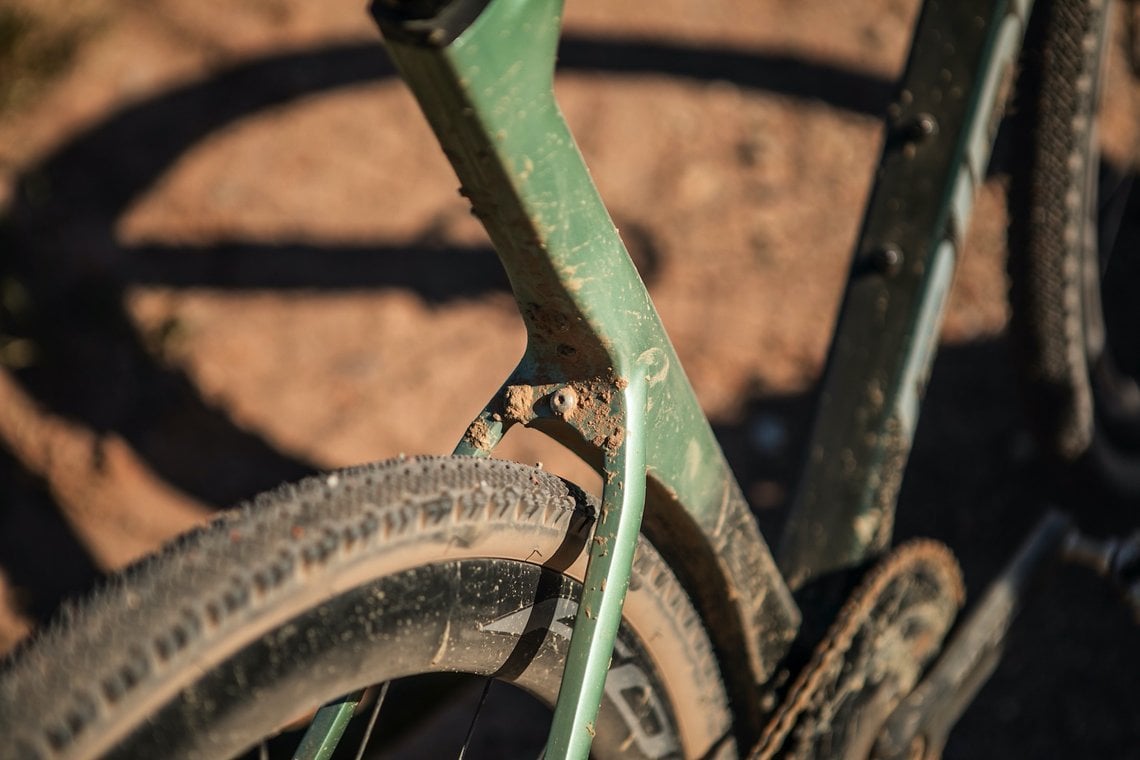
pixel 60 253
pixel 58 244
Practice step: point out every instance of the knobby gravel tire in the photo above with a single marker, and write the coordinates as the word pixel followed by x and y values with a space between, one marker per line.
pixel 1082 408
pixel 354 578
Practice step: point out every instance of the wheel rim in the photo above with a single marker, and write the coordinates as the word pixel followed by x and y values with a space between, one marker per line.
pixel 1109 314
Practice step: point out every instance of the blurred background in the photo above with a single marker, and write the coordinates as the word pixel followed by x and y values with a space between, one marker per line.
pixel 231 254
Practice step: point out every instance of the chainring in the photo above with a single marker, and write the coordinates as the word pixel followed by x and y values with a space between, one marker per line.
pixel 886 633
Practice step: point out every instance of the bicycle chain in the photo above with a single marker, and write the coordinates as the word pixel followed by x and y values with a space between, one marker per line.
pixel 872 656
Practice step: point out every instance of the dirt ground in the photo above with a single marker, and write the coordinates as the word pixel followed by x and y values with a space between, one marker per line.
pixel 232 254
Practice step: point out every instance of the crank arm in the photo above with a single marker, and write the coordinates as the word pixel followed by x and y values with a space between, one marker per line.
pixel 1115 559
pixel 918 727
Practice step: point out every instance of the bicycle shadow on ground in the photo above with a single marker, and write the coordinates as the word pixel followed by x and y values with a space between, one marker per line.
pixel 62 258
pixel 59 243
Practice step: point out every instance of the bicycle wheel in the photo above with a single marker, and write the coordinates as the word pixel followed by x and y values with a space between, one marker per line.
pixel 359 577
pixel 1070 316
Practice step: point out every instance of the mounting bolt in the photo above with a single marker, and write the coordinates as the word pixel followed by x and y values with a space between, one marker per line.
pixel 887 259
pixel 922 127
pixel 563 401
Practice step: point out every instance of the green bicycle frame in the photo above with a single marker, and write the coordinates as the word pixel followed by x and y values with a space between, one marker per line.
pixel 599 374
pixel 941 127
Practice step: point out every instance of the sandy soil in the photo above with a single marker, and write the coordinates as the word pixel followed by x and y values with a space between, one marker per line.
pixel 233 254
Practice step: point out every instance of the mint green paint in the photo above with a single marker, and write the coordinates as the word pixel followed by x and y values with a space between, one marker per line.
pixel 325 731
pixel 592 328
pixel 604 588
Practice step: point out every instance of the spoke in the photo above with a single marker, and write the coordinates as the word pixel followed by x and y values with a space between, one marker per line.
pixel 1112 202
pixel 475 718
pixel 372 720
